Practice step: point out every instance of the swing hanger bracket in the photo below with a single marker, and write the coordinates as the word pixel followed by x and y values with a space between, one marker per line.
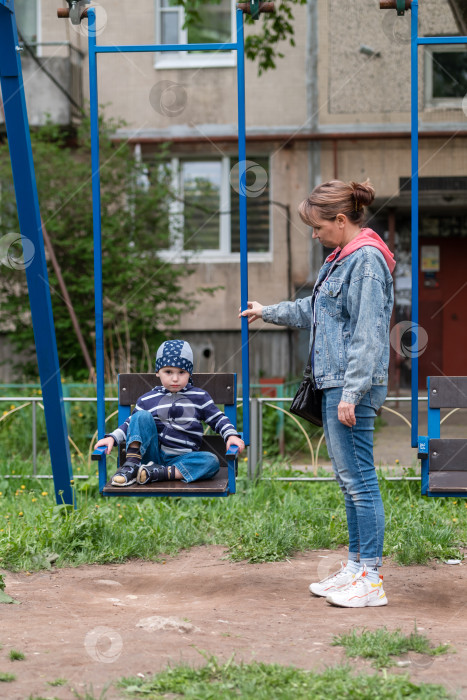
pixel 76 11
pixel 400 5
pixel 255 8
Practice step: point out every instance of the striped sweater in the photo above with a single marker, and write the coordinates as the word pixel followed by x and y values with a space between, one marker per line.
pixel 178 417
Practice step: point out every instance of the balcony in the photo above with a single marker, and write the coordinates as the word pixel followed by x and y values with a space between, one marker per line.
pixel 53 83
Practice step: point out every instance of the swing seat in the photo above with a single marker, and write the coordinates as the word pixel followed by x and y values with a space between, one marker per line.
pixel 444 460
pixel 223 389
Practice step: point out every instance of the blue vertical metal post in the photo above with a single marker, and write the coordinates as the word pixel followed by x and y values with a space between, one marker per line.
pixel 414 190
pixel 243 226
pixel 17 126
pixel 96 211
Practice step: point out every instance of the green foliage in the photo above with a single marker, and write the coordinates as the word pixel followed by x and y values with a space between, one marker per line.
pixel 266 521
pixel 271 29
pixel 7 677
pixel 382 644
pixel 16 655
pixel 261 681
pixel 58 682
pixel 143 298
pixel 2 583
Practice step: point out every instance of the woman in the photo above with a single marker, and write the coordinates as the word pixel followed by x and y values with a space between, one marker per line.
pixel 348 314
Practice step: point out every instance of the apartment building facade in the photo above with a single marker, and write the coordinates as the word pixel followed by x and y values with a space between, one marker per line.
pixel 336 106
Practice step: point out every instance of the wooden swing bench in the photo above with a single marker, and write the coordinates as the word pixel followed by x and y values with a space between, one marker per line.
pixel 444 460
pixel 222 387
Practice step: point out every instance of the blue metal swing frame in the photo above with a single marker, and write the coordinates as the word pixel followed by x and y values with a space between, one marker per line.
pixel 94 50
pixel 17 126
pixel 422 442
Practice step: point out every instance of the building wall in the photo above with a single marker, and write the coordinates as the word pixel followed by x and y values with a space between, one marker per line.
pixel 357 94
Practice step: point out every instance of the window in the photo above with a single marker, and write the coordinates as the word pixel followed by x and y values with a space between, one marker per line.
pixel 446 76
pixel 27 15
pixel 216 26
pixel 205 212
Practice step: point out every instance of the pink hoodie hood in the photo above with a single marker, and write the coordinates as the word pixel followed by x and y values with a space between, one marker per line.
pixel 366 237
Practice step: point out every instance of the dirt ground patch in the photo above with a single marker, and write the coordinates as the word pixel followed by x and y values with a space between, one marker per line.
pixel 95 624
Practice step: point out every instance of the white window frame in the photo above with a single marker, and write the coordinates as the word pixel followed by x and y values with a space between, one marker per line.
pixel 38 27
pixel 183 59
pixel 439 102
pixel 177 254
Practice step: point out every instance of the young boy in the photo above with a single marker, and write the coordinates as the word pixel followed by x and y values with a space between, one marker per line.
pixel 165 429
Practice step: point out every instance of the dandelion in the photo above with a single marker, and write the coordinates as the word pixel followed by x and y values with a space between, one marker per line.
pixel 12 407
pixel 245 459
pixel 7 516
pixel 265 452
pixel 120 516
pixel 80 415
pixel 1 494
pixel 33 500
pixel 397 461
pixel 23 486
pixel 13 471
pixel 454 520
pixel 454 503
pixel 21 514
pixel 79 469
pixel 97 506
pixel 5 413
pixel 142 520
pixel 44 493
pixel 72 481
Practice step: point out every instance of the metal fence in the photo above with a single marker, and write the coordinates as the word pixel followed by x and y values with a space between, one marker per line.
pixel 256 448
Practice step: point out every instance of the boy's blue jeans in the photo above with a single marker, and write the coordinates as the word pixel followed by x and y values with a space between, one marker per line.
pixel 351 453
pixel 192 465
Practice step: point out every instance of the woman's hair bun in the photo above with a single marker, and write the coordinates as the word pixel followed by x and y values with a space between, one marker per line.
pixel 364 193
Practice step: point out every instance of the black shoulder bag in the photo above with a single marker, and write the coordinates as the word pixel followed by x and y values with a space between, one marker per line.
pixel 307 401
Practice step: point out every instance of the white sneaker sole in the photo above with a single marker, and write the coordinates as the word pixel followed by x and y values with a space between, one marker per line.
pixel 358 602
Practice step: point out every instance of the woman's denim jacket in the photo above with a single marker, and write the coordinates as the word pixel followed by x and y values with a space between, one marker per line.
pixel 352 312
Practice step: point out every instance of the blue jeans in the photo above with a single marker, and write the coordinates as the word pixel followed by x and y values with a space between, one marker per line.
pixel 192 465
pixel 351 453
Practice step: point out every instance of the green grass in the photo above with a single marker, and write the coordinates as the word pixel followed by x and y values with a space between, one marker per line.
pixel 7 677
pixel 58 682
pixel 268 521
pixel 260 681
pixel 382 644
pixel 16 655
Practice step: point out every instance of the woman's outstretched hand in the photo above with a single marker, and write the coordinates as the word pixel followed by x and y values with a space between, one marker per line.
pixel 254 311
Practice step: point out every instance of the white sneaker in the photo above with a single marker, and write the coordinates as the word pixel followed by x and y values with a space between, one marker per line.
pixel 335 582
pixel 360 593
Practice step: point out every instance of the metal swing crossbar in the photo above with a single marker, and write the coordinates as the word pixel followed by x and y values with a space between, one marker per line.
pixel 225 483
pixel 444 461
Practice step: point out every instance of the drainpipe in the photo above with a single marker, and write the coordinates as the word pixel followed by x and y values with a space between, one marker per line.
pixel 312 111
